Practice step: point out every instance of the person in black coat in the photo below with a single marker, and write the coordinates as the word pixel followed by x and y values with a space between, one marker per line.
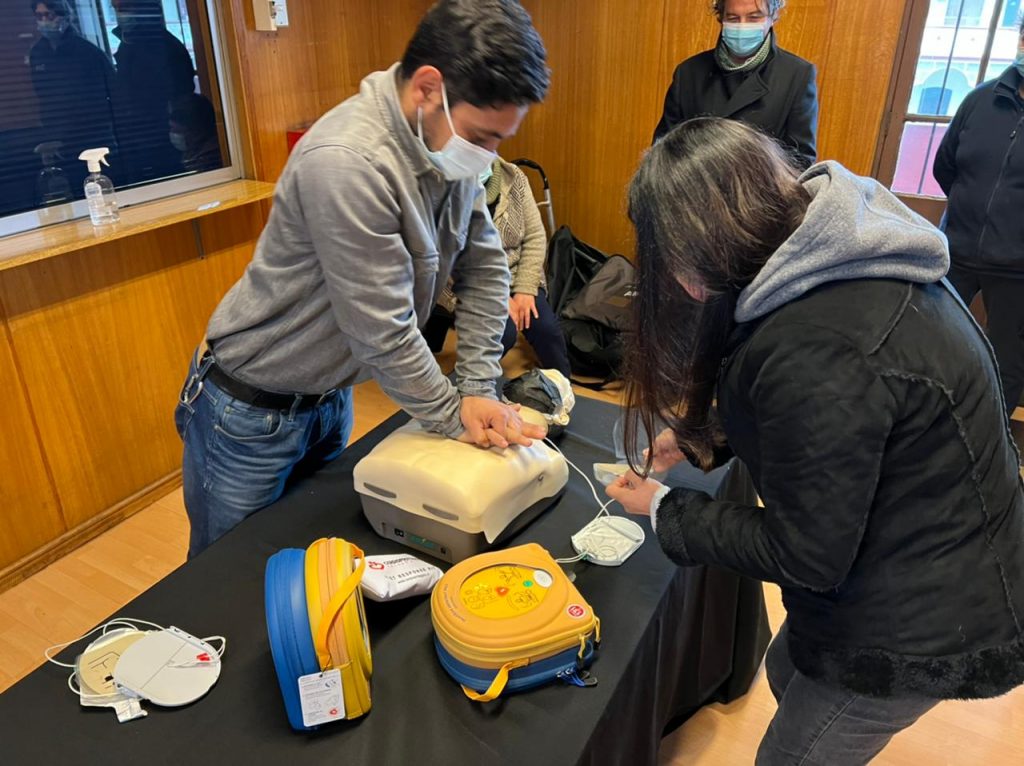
pixel 980 167
pixel 748 77
pixel 73 82
pixel 864 399
pixel 154 71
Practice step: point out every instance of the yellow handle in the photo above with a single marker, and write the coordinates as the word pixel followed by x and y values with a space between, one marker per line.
pixel 497 685
pixel 334 608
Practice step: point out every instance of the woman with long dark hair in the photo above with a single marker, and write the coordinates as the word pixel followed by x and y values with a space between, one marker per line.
pixel 865 402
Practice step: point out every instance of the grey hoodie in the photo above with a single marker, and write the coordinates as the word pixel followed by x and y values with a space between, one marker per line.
pixel 362 237
pixel 855 228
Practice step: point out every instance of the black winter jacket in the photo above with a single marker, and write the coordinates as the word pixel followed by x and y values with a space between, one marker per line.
pixel 869 414
pixel 780 97
pixel 980 166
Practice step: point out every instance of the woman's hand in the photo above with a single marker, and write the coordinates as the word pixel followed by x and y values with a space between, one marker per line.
pixel 633 493
pixel 522 308
pixel 666 451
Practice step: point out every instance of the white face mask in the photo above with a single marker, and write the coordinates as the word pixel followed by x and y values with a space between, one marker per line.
pixel 178 141
pixel 459 159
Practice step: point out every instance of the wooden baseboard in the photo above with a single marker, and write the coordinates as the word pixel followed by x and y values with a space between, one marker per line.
pixel 41 558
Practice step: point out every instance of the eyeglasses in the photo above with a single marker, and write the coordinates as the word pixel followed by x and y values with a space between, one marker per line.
pixel 46 16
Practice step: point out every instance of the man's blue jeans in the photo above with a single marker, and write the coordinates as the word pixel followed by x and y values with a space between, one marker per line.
pixel 239 458
pixel 822 725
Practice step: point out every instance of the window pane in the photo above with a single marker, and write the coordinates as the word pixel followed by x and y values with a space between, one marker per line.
pixel 918 148
pixel 966 12
pixel 1004 49
pixel 1011 14
pixel 951 50
pixel 122 74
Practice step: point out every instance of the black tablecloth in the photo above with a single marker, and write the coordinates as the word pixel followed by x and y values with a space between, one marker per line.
pixel 673 640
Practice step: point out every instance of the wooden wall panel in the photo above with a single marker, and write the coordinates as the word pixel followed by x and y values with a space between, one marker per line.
pixel 356 38
pixel 30 514
pixel 599 116
pixel 292 76
pixel 612 68
pixel 856 74
pixel 103 337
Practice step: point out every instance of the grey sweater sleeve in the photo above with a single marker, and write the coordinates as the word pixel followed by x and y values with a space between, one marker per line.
pixel 353 221
pixel 530 271
pixel 481 287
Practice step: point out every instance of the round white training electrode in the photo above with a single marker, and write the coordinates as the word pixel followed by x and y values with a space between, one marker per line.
pixel 168 667
pixel 608 540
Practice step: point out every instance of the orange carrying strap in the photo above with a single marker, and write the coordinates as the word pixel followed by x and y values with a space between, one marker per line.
pixel 497 685
pixel 333 609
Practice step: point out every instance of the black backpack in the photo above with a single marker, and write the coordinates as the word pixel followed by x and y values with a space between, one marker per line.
pixel 591 294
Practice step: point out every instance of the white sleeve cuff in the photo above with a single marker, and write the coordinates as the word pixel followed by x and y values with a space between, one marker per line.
pixel 655 504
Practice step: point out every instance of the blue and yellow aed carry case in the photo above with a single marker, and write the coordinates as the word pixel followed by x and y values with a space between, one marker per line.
pixel 316 622
pixel 510 621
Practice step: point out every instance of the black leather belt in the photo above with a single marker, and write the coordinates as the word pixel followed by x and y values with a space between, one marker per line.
pixel 257 397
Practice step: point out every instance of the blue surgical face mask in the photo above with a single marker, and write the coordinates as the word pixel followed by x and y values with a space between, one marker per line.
pixel 458 160
pixel 52 30
pixel 487 174
pixel 1019 63
pixel 743 40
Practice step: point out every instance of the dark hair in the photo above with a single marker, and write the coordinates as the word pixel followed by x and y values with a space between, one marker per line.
pixel 488 51
pixel 711 202
pixel 772 7
pixel 60 7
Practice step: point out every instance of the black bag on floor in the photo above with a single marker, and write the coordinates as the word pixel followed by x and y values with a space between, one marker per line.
pixel 608 297
pixel 591 293
pixel 595 351
pixel 571 264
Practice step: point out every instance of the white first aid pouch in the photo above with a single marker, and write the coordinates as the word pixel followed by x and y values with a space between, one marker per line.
pixel 389 578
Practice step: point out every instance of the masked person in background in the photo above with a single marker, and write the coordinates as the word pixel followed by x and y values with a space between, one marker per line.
pixel 862 396
pixel 379 204
pixel 73 82
pixel 747 77
pixel 154 70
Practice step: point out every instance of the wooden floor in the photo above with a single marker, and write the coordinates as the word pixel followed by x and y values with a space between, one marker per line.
pixel 70 596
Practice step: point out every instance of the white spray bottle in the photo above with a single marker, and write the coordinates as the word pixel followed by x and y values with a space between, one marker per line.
pixel 99 190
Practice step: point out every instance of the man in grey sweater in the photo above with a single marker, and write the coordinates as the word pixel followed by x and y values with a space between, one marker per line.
pixel 379 204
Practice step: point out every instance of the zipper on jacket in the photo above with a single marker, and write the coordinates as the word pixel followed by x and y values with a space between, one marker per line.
pixel 999 181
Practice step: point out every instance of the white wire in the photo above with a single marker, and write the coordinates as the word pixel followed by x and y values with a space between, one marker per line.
pixel 223 643
pixel 593 489
pixel 572 560
pixel 602 512
pixel 124 622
